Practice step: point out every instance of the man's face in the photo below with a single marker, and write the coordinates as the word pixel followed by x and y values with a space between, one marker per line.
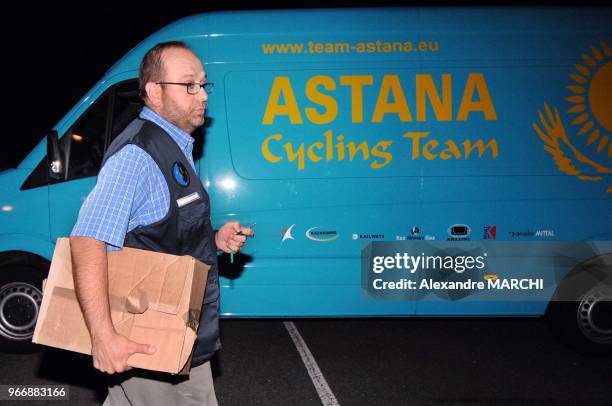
pixel 182 109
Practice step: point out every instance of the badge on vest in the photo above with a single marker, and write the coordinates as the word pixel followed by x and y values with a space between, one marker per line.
pixel 183 201
pixel 180 173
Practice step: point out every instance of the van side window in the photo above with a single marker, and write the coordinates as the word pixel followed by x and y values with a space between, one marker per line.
pixel 127 105
pixel 84 144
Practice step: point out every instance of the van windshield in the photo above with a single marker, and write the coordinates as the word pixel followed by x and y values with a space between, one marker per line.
pixel 82 146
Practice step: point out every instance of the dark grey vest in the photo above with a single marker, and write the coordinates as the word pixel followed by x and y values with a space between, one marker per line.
pixel 185 230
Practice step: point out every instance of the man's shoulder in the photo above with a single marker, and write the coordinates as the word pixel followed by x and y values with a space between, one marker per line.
pixel 129 157
pixel 141 131
pixel 130 151
pixel 125 136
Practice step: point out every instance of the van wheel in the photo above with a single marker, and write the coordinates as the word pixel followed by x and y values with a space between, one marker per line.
pixel 586 323
pixel 20 300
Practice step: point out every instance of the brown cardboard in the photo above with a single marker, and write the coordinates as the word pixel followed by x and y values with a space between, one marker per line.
pixel 154 299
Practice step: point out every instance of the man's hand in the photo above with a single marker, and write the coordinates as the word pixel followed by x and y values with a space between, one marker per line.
pixel 231 237
pixel 110 353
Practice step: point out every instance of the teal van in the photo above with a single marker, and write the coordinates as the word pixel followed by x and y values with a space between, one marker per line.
pixel 338 130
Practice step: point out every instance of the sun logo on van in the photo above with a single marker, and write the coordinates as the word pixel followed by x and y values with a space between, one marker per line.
pixel 590 99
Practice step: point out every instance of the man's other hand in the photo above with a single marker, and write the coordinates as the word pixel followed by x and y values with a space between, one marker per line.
pixel 231 237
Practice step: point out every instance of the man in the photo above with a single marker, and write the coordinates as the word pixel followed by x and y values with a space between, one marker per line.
pixel 148 196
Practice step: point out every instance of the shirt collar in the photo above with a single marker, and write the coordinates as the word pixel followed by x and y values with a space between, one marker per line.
pixel 182 139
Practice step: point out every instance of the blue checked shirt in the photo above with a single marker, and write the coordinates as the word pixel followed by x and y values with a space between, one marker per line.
pixel 130 190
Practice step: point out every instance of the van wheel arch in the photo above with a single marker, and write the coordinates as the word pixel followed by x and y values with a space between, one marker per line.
pixel 21 276
pixel 580 311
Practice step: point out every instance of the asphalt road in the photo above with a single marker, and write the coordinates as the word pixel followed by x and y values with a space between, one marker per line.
pixel 366 362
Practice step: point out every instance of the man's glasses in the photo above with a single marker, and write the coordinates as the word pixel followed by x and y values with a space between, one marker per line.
pixel 192 88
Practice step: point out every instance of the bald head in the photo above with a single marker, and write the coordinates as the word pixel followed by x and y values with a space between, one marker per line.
pixel 152 64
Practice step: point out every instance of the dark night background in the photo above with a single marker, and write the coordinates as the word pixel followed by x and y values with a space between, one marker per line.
pixel 54 52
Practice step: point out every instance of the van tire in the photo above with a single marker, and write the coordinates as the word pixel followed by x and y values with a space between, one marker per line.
pixel 585 323
pixel 21 277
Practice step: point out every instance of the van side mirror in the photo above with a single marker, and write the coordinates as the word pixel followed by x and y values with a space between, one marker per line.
pixel 55 164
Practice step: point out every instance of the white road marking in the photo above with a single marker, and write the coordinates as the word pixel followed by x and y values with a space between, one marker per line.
pixel 318 380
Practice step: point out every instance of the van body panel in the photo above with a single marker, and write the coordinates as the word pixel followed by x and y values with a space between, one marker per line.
pixel 23 214
pixel 29 243
pixel 64 203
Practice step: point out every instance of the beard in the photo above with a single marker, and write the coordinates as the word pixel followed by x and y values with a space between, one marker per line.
pixel 185 119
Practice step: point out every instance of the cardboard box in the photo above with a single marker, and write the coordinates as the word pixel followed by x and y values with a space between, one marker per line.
pixel 154 299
